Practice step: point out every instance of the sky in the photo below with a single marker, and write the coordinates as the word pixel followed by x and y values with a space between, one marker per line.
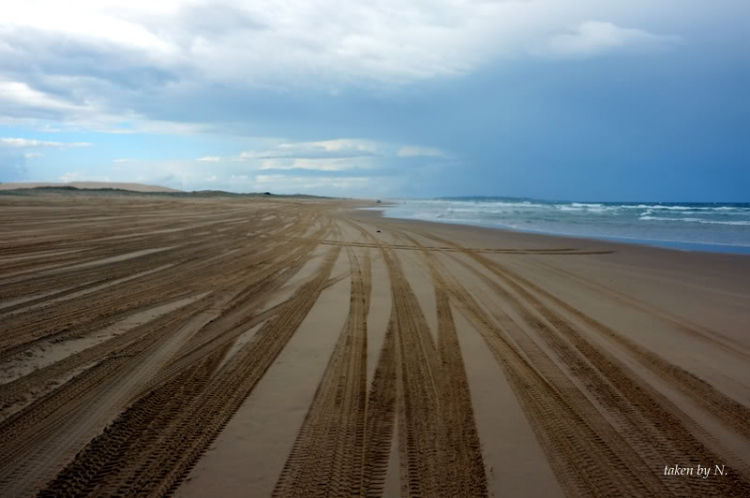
pixel 575 100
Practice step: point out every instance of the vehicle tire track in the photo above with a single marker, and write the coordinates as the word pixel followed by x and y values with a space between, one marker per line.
pixel 40 439
pixel 158 466
pixel 82 315
pixel 725 409
pixel 327 456
pixel 462 464
pixel 441 452
pixel 381 415
pixel 728 411
pixel 692 329
pixel 587 454
pixel 655 428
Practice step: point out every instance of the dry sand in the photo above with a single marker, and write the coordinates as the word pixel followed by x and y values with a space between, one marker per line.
pixel 268 347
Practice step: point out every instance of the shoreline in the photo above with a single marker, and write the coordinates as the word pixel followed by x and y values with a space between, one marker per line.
pixel 679 246
pixel 725 269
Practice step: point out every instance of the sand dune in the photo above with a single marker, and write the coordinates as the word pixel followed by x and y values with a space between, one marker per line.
pixel 274 348
pixel 135 187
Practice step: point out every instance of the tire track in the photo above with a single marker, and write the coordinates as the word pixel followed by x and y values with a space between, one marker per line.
pixel 419 400
pixel 45 435
pixel 84 314
pixel 462 464
pixel 725 409
pixel 39 440
pixel 241 318
pixel 586 453
pixel 193 421
pixel 653 419
pixel 441 452
pixel 692 329
pixel 651 424
pixel 381 416
pixel 327 456
pixel 15 391
pixel 404 247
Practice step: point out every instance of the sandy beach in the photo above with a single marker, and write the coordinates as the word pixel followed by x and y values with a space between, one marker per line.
pixel 280 347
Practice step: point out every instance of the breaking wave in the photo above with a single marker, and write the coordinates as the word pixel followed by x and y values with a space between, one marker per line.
pixel 721 224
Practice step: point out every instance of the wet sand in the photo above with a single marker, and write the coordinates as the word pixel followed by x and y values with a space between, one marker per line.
pixel 289 347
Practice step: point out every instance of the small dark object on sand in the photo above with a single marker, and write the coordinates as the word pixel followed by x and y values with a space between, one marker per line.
pixel 378 231
pixel 377 201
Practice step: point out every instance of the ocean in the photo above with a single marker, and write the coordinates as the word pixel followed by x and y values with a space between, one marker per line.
pixel 718 227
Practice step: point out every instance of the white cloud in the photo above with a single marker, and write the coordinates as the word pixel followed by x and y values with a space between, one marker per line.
pixel 332 155
pixel 124 160
pixel 327 164
pixel 25 142
pixel 337 186
pixel 209 159
pixel 338 145
pixel 593 38
pixel 20 93
pixel 47 128
pixel 293 184
pixel 103 20
pixel 413 151
pixel 343 147
pixel 31 155
pixel 24 105
pixel 267 42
